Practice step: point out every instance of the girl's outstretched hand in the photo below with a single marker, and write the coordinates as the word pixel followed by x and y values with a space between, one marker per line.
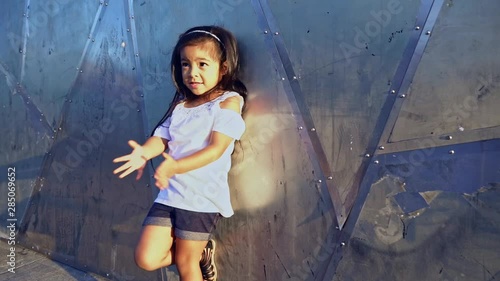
pixel 134 161
pixel 165 171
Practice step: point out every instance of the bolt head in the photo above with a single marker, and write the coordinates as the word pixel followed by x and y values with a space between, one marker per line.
pixel 393 91
pixel 376 161
pixel 451 152
pixel 313 129
pixel 402 96
pixel 381 147
pixel 428 32
pixel 417 27
pixel 367 155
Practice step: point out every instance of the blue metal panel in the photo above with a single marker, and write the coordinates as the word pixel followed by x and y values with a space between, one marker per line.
pixel 455 89
pixel 454 235
pixel 79 212
pixel 344 55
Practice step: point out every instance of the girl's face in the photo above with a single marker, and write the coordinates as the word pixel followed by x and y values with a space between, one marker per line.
pixel 201 70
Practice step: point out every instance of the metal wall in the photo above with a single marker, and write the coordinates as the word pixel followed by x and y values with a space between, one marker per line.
pixel 369 152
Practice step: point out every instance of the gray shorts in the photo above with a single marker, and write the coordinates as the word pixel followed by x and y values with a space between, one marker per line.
pixel 188 225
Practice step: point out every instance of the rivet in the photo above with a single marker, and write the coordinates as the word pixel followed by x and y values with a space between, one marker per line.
pixel 313 129
pixel 294 77
pixel 376 162
pixel 123 44
pixel 60 129
pixel 461 129
pixel 336 227
pixel 417 28
pixel 24 15
pixel 283 78
pixel 70 101
pixel 142 95
pixel 330 178
pixel 107 274
pixel 428 32
pixel 136 55
pixel 451 152
pixel 106 3
pixel 276 33
pixel 21 51
pixel 393 91
pixel 138 110
pixel 93 40
pixel 367 155
pixel 132 17
pixel 320 181
pixel 381 147
pixel 266 32
pixel 449 137
pixel 300 127
pixel 128 29
pixel 402 96
pixel 342 243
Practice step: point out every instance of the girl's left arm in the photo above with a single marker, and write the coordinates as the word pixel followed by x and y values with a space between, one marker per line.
pixel 219 142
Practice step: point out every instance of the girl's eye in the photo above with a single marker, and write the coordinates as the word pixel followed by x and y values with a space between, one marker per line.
pixel 184 64
pixel 202 64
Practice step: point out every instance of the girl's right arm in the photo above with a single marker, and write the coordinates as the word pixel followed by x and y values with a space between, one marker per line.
pixel 139 156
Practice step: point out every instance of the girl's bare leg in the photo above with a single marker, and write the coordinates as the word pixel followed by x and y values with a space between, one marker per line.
pixel 187 259
pixel 155 248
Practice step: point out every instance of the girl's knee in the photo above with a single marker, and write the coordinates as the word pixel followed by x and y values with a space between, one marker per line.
pixel 146 261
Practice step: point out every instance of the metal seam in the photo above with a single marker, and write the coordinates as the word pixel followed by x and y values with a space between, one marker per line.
pixel 293 92
pixel 406 78
pixel 369 177
pixel 25 39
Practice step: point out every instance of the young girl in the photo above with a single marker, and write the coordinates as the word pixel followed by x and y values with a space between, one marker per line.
pixel 199 130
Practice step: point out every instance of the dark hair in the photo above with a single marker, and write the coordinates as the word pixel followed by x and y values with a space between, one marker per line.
pixel 226 51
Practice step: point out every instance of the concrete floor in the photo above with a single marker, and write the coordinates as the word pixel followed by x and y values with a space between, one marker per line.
pixel 31 265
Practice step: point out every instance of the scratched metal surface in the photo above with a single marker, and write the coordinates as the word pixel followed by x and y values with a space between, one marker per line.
pixel 31 265
pixel 345 55
pixel 436 219
pixel 456 89
pixel 79 213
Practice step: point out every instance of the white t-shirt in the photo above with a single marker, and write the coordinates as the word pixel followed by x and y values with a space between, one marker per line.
pixel 188 130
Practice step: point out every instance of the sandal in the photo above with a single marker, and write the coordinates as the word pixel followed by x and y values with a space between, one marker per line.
pixel 207 262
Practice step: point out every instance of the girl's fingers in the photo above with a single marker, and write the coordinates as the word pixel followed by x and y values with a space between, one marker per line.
pixel 133 144
pixel 121 168
pixel 121 159
pixel 126 173
pixel 139 174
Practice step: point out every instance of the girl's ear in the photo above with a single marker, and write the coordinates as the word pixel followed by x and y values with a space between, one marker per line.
pixel 223 68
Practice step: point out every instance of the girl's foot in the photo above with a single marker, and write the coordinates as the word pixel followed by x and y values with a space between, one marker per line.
pixel 207 262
